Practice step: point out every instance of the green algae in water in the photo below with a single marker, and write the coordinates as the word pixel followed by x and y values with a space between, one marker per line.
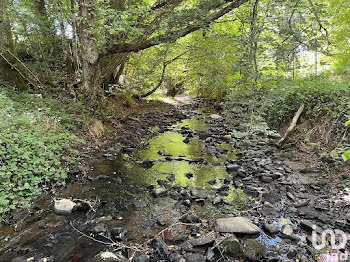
pixel 238 198
pixel 171 144
pixel 202 174
pixel 195 124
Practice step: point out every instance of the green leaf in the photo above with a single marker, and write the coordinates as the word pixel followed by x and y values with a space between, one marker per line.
pixel 347 123
pixel 346 156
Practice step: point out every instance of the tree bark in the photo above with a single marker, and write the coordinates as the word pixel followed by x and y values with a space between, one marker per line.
pixel 91 79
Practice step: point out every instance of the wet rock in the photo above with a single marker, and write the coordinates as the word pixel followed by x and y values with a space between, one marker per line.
pixel 231 247
pixel 187 140
pixel 217 200
pixel 212 182
pixel 109 257
pixel 228 180
pixel 271 228
pixel 189 175
pixel 194 257
pixel 161 153
pixel 266 179
pixel 159 244
pixel 141 258
pixel 64 206
pixel 197 193
pixel 147 164
pixel 160 191
pixel 190 218
pixel 254 250
pixel 232 168
pixel 162 182
pixel 235 225
pixel 171 178
pixel 118 233
pixel 189 244
pixel 302 203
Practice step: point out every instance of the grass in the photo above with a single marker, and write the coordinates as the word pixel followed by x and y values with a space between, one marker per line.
pixel 37 142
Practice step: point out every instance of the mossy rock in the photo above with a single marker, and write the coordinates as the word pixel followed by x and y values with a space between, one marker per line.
pixel 254 250
pixel 232 248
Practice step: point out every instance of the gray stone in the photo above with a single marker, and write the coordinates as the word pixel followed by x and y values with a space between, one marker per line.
pixel 232 168
pixel 217 200
pixel 189 244
pixel 236 225
pixel 196 193
pixel 64 206
pixel 160 191
pixel 287 230
pixel 271 228
pixel 266 179
pixel 194 258
pixel 215 116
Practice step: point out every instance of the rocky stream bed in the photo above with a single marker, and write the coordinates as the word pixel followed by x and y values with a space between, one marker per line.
pixel 202 190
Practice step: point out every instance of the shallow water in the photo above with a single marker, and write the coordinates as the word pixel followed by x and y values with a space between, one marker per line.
pixel 171 158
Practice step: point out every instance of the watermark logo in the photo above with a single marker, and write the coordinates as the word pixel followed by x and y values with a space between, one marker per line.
pixel 338 240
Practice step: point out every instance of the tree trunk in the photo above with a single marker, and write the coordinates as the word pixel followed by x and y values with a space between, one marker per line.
pixel 10 69
pixel 254 43
pixel 91 78
pixel 64 40
pixel 75 43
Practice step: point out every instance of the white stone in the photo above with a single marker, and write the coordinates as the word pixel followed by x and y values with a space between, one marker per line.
pixel 64 206
pixel 215 116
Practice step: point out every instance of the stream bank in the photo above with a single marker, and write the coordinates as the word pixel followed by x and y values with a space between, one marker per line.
pixel 203 190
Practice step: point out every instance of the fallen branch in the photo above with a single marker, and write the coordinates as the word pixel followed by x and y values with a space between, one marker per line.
pixel 293 124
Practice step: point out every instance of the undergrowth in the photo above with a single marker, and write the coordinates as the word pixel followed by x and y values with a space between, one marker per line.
pixel 36 145
pixel 325 99
pixel 326 102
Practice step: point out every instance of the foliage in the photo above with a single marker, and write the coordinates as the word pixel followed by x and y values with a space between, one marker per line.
pixel 34 148
pixel 346 154
pixel 324 99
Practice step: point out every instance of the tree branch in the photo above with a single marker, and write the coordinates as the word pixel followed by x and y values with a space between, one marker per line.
pixel 174 35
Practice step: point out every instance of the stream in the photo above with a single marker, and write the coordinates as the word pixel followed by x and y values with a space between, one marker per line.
pixel 163 202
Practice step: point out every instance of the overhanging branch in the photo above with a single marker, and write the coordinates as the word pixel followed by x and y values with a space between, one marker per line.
pixel 174 35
